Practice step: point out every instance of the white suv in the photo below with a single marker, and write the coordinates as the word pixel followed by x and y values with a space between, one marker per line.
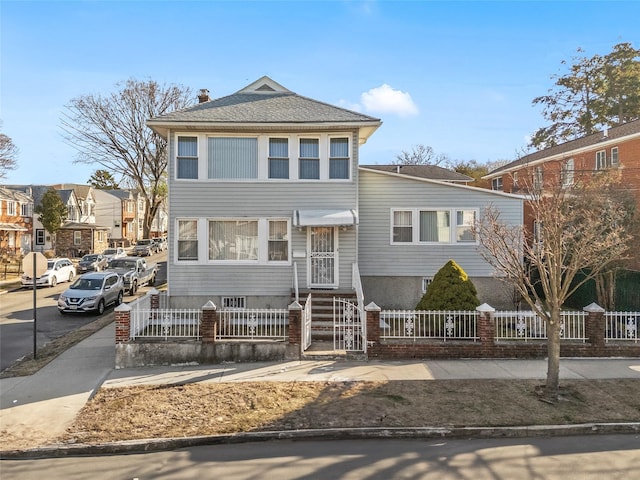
pixel 58 270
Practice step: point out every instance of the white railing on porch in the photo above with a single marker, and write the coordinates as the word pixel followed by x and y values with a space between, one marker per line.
pixel 621 326
pixel 357 286
pixel 254 323
pixel 418 324
pixel 295 281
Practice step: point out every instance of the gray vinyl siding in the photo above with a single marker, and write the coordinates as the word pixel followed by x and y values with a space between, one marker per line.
pixel 206 199
pixel 379 193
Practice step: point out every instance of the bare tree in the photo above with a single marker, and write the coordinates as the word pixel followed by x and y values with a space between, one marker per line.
pixel 420 155
pixel 112 132
pixel 579 229
pixel 8 154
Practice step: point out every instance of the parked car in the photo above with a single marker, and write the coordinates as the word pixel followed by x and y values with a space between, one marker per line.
pixel 111 253
pixel 92 292
pixel 58 270
pixel 93 262
pixel 135 272
pixel 145 247
pixel 161 244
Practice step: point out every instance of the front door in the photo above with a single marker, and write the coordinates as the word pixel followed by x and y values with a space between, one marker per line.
pixel 323 257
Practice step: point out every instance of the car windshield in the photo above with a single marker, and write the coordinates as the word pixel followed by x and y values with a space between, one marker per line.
pixel 144 242
pixel 50 264
pixel 89 258
pixel 86 284
pixel 109 251
pixel 123 264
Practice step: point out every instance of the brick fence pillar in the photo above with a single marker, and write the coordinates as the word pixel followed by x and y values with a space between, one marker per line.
pixel 486 328
pixel 155 299
pixel 595 325
pixel 123 323
pixel 209 325
pixel 295 326
pixel 373 325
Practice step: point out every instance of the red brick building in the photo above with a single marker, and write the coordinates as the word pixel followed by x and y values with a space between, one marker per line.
pixel 615 148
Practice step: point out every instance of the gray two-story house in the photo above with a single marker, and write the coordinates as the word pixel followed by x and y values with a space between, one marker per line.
pixel 266 194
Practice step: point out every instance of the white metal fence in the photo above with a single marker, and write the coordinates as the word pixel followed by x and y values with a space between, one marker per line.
pixel 526 325
pixel 622 326
pixel 306 324
pixel 255 323
pixel 417 324
pixel 165 323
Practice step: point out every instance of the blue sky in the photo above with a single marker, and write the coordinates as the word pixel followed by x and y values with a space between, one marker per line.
pixel 456 76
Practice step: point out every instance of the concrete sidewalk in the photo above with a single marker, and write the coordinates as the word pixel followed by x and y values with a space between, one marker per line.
pixel 37 409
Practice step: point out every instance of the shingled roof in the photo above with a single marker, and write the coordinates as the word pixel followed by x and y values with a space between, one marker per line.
pixel 262 104
pixel 609 135
pixel 432 172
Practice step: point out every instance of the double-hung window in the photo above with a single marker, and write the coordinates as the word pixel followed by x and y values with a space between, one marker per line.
pixel 187 240
pixel 614 157
pixel 278 158
pixel 233 240
pixel 567 173
pixel 435 226
pixel 278 241
pixel 187 158
pixel 465 225
pixel 11 208
pixel 233 157
pixel 601 160
pixel 537 178
pixel 77 237
pixel 402 226
pixel 496 183
pixel 339 158
pixel 309 168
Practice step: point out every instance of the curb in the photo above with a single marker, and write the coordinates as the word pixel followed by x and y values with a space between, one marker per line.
pixel 165 444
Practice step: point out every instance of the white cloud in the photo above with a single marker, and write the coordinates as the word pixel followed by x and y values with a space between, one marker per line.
pixel 384 99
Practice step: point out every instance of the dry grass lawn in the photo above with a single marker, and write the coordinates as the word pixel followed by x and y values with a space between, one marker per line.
pixel 208 409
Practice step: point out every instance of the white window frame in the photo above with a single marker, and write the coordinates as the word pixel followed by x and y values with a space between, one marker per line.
pixel 566 172
pixel 77 237
pixel 601 160
pixel 287 239
pixel 347 158
pixel 615 160
pixel 415 225
pixel 233 303
pixel 178 240
pixel 196 158
pixel 426 281
pixel 11 208
pixel 25 210
pixel 269 157
pixel 259 156
pixel 538 178
pixel 497 183
pixel 319 158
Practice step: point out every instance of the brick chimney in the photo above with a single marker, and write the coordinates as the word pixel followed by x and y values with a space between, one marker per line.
pixel 203 96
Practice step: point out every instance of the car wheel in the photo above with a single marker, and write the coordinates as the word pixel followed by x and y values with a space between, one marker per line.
pixel 54 281
pixel 119 299
pixel 70 276
pixel 100 309
pixel 152 282
pixel 134 288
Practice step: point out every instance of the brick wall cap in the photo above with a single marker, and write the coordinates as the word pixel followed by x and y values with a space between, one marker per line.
pixel 594 308
pixel 485 307
pixel 153 291
pixel 295 306
pixel 123 307
pixel 209 306
pixel 372 307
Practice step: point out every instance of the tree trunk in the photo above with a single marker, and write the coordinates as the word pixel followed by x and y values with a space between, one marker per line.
pixel 552 387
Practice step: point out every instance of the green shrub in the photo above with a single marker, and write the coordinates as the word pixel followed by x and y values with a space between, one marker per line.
pixel 450 289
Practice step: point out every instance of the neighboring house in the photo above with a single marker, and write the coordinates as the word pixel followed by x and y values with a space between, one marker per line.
pixel 85 198
pixel 265 190
pixel 16 220
pixel 123 230
pixel 75 239
pixel 411 225
pixel 614 148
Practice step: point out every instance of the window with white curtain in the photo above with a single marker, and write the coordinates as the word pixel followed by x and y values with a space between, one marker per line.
pixel 187 240
pixel 402 226
pixel 278 158
pixel 233 240
pixel 233 157
pixel 339 158
pixel 278 241
pixel 309 168
pixel 567 173
pixel 435 226
pixel 187 158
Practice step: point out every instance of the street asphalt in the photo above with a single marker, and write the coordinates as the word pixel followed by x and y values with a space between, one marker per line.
pixel 44 404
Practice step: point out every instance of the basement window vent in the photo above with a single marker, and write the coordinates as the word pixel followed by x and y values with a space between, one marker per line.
pixel 234 303
pixel 426 281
